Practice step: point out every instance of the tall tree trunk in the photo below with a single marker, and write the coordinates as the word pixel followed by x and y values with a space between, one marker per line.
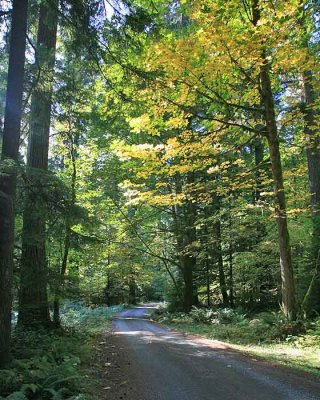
pixel 286 268
pixel 33 299
pixel 10 151
pixel 311 302
pixel 287 279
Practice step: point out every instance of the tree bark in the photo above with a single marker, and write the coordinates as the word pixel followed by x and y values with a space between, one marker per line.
pixel 33 298
pixel 10 151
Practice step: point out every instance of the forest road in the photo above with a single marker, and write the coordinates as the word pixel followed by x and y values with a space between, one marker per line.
pixel 161 364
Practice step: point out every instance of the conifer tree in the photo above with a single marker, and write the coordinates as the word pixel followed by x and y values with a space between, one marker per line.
pixel 9 158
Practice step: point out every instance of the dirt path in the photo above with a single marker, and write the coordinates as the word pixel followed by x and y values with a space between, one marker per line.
pixel 145 361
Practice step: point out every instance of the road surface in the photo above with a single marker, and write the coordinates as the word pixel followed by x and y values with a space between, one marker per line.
pixel 171 366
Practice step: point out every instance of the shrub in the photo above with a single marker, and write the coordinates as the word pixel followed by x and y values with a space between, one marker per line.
pixel 47 364
pixel 217 316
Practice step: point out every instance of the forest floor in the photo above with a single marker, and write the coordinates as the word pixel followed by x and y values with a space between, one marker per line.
pixel 141 360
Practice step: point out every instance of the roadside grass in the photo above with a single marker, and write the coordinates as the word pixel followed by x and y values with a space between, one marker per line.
pixel 52 365
pixel 268 335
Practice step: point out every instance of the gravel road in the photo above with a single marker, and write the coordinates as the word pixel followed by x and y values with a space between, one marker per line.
pixel 171 366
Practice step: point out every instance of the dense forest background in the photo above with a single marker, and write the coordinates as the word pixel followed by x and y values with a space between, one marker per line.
pixel 158 150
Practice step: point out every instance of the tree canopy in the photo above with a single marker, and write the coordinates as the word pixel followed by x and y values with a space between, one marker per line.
pixel 169 150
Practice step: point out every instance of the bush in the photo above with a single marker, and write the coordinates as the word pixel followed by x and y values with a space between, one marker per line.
pixel 47 364
pixel 76 316
pixel 218 316
pixel 234 326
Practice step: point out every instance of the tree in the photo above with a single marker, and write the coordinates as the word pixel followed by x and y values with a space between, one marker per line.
pixel 9 158
pixel 217 70
pixel 311 302
pixel 33 298
pixel 267 99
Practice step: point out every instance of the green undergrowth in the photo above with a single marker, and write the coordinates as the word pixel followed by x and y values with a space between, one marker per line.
pixel 268 335
pixel 51 365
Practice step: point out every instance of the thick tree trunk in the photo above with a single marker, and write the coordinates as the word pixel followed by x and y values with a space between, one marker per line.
pixel 287 279
pixel 33 299
pixel 10 151
pixel 311 302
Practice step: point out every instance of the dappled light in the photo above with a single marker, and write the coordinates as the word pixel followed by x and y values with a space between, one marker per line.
pixel 159 199
pixel 209 359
